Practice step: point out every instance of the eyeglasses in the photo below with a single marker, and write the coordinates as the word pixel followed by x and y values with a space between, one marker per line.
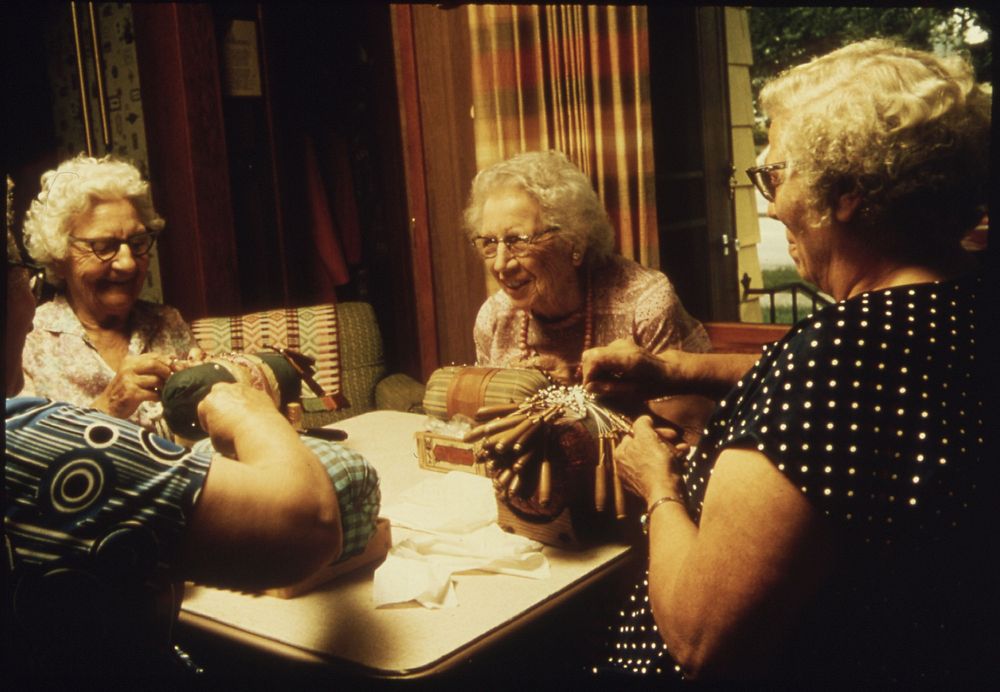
pixel 106 249
pixel 36 276
pixel 517 245
pixel 767 179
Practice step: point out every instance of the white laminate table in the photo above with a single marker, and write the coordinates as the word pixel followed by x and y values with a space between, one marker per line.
pixel 337 624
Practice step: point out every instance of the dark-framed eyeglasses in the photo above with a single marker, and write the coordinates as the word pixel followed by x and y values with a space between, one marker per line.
pixel 517 245
pixel 767 179
pixel 35 275
pixel 106 249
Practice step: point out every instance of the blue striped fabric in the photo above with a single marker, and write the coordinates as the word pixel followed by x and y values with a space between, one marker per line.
pixel 74 476
pixel 95 508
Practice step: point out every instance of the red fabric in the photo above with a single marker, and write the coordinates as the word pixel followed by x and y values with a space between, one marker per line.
pixel 344 206
pixel 326 237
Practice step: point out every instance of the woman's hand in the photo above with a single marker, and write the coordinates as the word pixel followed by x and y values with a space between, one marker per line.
pixel 649 460
pixel 140 378
pixel 558 370
pixel 195 357
pixel 268 513
pixel 230 407
pixel 622 370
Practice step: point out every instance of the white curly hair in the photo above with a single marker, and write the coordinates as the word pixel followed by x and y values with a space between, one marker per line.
pixel 905 130
pixel 73 188
pixel 564 193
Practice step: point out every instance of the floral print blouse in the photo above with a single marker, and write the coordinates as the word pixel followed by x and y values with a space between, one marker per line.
pixel 629 301
pixel 61 364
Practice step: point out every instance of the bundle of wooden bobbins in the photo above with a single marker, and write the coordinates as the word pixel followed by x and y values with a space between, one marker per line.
pixel 514 442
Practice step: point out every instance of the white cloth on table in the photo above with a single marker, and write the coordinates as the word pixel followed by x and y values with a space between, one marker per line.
pixel 452 522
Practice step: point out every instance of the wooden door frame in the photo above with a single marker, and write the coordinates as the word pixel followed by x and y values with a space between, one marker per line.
pixel 435 94
pixel 692 150
pixel 407 81
pixel 716 138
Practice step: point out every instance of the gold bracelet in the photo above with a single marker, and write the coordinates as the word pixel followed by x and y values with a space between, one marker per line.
pixel 644 519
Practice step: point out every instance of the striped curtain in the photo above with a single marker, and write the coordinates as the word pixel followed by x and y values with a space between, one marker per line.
pixel 573 78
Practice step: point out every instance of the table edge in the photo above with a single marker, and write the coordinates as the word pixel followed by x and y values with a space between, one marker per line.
pixel 275 647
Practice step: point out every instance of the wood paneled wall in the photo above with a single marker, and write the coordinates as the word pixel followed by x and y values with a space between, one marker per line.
pixel 187 156
pixel 436 103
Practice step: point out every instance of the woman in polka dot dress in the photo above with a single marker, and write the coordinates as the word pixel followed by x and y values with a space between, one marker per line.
pixel 830 523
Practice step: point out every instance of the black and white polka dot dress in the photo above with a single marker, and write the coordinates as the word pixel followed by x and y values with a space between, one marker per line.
pixel 873 408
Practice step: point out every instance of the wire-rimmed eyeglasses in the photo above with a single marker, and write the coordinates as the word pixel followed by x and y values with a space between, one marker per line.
pixel 767 179
pixel 106 249
pixel 517 245
pixel 36 276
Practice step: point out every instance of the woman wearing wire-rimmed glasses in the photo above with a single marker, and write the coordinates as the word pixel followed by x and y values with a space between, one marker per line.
pixel 835 521
pixel 92 227
pixel 546 239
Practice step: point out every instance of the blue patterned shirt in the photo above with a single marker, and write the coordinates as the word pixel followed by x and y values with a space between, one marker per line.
pixel 95 508
pixel 94 511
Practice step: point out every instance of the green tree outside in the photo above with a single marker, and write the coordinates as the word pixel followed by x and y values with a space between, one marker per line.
pixel 786 36
pixel 783 37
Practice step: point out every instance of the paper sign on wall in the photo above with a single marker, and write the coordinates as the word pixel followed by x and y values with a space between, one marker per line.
pixel 241 68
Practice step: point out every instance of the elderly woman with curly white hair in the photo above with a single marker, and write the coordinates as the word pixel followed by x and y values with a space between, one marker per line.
pixel 547 241
pixel 96 344
pixel 836 519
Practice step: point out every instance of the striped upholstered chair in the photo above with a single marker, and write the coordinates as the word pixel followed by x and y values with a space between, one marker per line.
pixel 344 339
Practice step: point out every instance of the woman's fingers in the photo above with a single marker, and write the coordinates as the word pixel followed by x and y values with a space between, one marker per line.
pixel 645 461
pixel 669 434
pixel 139 379
pixel 228 406
pixel 148 364
pixel 644 430
pixel 147 383
pixel 614 389
pixel 606 362
pixel 621 370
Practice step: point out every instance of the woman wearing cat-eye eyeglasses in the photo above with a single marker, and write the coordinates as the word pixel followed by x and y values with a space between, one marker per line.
pixel 92 227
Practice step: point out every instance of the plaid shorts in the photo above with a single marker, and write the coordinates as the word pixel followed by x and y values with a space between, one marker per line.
pixel 356 484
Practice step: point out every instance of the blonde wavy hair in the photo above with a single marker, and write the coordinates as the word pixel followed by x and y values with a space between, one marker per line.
pixel 905 130
pixel 564 195
pixel 73 188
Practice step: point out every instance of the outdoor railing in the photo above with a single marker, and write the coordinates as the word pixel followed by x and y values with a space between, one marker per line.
pixel 793 287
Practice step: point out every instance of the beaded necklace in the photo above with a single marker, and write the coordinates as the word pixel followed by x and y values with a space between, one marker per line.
pixel 588 326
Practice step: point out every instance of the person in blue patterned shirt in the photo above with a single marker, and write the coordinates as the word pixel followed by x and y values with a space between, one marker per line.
pixel 104 521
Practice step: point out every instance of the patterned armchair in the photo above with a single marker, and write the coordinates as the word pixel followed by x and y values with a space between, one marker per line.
pixel 344 339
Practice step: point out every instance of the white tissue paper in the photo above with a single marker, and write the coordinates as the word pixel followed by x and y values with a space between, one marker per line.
pixel 452 522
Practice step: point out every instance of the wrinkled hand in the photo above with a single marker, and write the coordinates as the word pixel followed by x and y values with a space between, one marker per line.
pixel 649 461
pixel 558 370
pixel 195 357
pixel 229 407
pixel 623 370
pixel 140 378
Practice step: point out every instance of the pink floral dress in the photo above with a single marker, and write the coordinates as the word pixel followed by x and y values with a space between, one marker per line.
pixel 61 364
pixel 629 301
